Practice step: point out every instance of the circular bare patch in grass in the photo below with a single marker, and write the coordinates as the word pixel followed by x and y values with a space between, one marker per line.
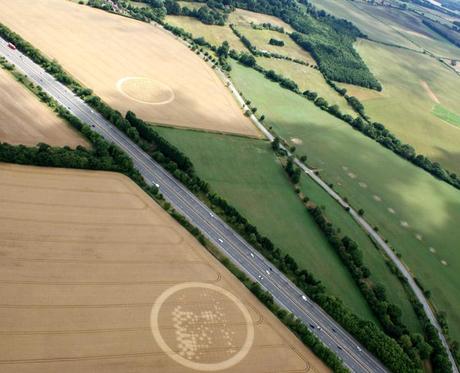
pixel 377 198
pixel 443 262
pixel 432 250
pixel 352 175
pixel 202 326
pixel 418 236
pixel 362 185
pixel 296 141
pixel 391 211
pixel 404 224
pixel 145 90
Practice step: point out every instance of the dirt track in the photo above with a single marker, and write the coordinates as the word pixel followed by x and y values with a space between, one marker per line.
pixel 24 120
pixel 126 61
pixel 96 277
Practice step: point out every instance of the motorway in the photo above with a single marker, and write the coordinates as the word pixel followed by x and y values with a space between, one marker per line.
pixel 285 293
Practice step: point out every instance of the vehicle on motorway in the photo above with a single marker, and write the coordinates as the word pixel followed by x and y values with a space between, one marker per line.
pixel 267 272
pixel 252 255
pixel 12 46
pixel 359 348
pixel 157 185
pixel 304 298
pixel 220 240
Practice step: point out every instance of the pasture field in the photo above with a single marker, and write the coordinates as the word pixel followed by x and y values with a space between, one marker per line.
pixel 417 213
pixel 442 113
pixel 25 120
pixel 374 28
pixel 373 259
pixel 246 173
pixel 413 84
pixel 191 4
pixel 96 277
pixel 260 39
pixel 131 65
pixel 411 27
pixel 242 17
pixel 307 78
pixel 213 34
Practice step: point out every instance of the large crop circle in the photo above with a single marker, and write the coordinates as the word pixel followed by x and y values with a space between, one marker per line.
pixel 202 326
pixel 145 90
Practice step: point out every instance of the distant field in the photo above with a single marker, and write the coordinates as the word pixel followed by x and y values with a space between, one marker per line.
pixel 130 64
pixel 374 28
pixel 260 39
pixel 214 34
pixel 96 277
pixel 25 120
pixel 411 27
pixel 417 213
pixel 245 172
pixel 307 78
pixel 413 84
pixel 241 17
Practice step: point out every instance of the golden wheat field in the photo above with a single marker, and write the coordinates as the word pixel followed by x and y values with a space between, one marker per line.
pixel 24 120
pixel 96 277
pixel 131 65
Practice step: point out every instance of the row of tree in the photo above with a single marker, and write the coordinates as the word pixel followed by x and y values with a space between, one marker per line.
pixel 388 314
pixel 267 26
pixel 450 34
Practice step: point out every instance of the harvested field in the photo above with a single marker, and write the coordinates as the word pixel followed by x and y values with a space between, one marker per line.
pixel 96 277
pixel 213 34
pixel 242 17
pixel 24 120
pixel 105 51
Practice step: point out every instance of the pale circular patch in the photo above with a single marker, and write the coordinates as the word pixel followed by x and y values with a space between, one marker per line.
pixel 418 236
pixel 404 224
pixel 443 262
pixel 345 168
pixel 190 323
pixel 296 141
pixel 362 185
pixel 352 175
pixel 391 211
pixel 377 198
pixel 146 90
pixel 432 249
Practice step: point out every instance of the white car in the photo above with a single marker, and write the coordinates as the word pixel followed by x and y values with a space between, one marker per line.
pixel 157 185
pixel 359 348
pixel 220 240
pixel 252 255
pixel 267 271
pixel 304 298
pixel 211 214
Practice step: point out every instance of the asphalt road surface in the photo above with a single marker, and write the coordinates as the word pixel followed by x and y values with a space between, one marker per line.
pixel 354 356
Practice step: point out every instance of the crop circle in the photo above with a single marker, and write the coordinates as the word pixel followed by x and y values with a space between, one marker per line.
pixel 202 326
pixel 145 90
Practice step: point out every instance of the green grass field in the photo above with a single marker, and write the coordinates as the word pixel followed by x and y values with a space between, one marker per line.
pixel 307 78
pixel 442 113
pixel 260 39
pixel 246 173
pixel 417 213
pixel 373 28
pixel 413 84
pixel 373 259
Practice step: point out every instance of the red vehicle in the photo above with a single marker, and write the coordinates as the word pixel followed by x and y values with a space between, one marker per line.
pixel 12 46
